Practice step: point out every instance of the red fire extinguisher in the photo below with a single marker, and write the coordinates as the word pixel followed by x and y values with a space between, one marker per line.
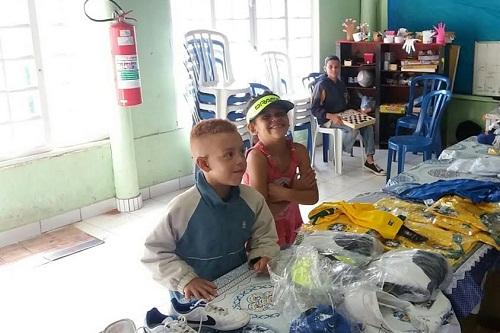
pixel 125 60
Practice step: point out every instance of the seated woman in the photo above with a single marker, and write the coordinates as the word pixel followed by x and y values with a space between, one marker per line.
pixel 329 98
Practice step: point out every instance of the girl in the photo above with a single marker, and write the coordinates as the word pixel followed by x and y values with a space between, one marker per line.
pixel 272 165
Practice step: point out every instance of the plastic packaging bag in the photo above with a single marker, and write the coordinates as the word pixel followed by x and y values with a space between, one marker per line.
pixel 303 278
pixel 350 248
pixel 412 275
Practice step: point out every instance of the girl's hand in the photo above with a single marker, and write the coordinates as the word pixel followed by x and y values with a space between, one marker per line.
pixel 306 180
pixel 276 193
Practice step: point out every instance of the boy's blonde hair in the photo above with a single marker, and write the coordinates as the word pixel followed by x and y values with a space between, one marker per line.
pixel 212 126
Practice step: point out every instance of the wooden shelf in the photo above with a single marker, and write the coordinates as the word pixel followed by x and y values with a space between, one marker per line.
pixel 361 88
pixel 359 66
pixel 395 85
pixel 382 91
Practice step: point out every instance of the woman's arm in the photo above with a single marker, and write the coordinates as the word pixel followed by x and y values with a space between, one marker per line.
pixel 318 107
pixel 304 189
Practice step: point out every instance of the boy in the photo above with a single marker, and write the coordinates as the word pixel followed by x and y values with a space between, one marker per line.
pixel 216 225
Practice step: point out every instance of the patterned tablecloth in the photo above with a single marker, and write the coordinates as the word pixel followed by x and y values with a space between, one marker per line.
pixel 434 170
pixel 243 289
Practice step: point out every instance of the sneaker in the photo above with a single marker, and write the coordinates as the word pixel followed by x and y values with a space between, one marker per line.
pixel 157 322
pixel 379 311
pixel 437 315
pixel 121 326
pixel 413 275
pixel 209 315
pixel 373 167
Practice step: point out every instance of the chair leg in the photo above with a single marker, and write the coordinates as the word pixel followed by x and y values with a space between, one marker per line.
pixel 401 159
pixel 396 132
pixel 309 140
pixel 326 147
pixel 313 154
pixel 427 155
pixel 390 154
pixel 337 144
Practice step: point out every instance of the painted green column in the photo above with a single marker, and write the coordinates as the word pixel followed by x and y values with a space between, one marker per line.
pixel 370 13
pixel 128 196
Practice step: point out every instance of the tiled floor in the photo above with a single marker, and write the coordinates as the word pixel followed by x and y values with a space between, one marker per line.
pixel 86 291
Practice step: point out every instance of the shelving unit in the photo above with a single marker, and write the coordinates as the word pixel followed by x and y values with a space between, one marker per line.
pixel 389 86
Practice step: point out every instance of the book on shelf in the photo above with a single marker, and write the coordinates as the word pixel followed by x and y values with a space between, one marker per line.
pixel 419 69
pixel 419 62
pixel 397 108
pixel 429 57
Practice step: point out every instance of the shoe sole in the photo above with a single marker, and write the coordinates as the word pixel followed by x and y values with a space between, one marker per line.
pixel 382 173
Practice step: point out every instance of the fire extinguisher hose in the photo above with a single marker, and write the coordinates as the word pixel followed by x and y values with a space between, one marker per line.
pixel 117 14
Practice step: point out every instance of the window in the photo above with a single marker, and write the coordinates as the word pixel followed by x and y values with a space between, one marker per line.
pixel 252 27
pixel 52 89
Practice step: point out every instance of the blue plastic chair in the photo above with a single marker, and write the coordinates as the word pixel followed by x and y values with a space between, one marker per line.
pixel 423 139
pixel 420 86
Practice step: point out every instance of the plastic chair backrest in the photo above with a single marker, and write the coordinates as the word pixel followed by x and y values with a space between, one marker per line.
pixel 427 83
pixel 278 72
pixel 209 51
pixel 429 119
pixel 310 80
pixel 300 114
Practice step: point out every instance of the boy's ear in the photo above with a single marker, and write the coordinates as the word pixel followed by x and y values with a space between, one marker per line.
pixel 202 163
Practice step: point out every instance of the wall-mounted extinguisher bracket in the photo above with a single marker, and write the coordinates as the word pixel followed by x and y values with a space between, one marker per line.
pixel 124 54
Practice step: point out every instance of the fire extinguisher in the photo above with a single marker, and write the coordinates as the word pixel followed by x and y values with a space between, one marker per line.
pixel 124 53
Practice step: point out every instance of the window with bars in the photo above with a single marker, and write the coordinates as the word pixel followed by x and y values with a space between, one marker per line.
pixel 56 83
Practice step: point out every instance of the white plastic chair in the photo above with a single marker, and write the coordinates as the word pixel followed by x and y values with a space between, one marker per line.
pixel 208 53
pixel 335 153
pixel 279 78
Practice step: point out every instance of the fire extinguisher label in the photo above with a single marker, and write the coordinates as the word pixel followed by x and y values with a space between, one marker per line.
pixel 121 41
pixel 127 72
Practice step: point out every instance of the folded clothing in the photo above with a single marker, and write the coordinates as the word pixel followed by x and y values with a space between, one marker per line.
pixel 321 319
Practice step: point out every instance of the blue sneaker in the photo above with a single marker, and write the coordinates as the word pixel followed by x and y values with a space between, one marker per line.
pixel 323 319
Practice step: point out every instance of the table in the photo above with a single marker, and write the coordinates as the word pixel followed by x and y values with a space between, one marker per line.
pixel 465 291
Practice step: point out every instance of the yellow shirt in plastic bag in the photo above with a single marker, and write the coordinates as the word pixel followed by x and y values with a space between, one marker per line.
pixel 364 215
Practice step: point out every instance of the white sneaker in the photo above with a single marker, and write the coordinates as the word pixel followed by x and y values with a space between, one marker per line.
pixel 437 315
pixel 379 311
pixel 208 315
pixel 157 322
pixel 121 326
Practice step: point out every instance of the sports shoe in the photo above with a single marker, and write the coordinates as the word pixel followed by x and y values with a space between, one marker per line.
pixel 157 322
pixel 209 315
pixel 437 315
pixel 379 311
pixel 323 319
pixel 373 167
pixel 121 326
pixel 413 275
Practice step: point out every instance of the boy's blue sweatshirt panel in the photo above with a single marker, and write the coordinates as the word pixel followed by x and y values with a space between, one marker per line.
pixel 214 240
